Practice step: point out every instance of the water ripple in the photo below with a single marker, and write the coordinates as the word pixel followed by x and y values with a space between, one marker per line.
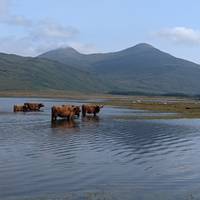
pixel 37 157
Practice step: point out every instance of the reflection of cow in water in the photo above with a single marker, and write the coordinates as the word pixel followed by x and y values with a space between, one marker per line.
pixel 64 111
pixel 91 118
pixel 64 124
pixel 91 122
pixel 90 109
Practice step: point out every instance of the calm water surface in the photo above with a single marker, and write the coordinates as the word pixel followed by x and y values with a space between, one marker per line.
pixel 107 157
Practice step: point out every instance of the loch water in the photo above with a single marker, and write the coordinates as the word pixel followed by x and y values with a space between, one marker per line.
pixel 110 156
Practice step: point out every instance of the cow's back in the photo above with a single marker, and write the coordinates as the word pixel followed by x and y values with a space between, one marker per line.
pixel 62 111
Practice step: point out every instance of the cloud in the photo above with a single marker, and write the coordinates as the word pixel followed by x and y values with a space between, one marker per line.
pixel 27 46
pixel 83 48
pixel 6 17
pixel 37 36
pixel 17 20
pixel 49 29
pixel 4 7
pixel 43 36
pixel 180 35
pixel 13 45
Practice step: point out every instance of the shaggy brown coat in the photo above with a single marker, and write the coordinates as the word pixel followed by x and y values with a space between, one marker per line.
pixel 33 106
pixel 91 109
pixel 20 108
pixel 64 111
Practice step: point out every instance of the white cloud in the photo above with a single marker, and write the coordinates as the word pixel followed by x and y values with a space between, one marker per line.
pixel 4 7
pixel 28 46
pixel 83 48
pixel 17 20
pixel 180 35
pixel 6 17
pixel 49 29
pixel 44 36
pixel 13 45
pixel 39 36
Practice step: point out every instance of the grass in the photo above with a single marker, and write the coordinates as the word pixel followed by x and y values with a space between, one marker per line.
pixel 182 107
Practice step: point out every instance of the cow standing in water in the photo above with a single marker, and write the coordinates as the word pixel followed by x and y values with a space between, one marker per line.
pixel 65 111
pixel 20 108
pixel 90 109
pixel 33 106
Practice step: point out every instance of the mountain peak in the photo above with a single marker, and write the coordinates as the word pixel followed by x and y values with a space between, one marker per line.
pixel 139 48
pixel 141 68
pixel 61 53
pixel 68 49
pixel 143 45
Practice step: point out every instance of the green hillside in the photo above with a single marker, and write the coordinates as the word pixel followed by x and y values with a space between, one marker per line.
pixel 26 73
pixel 141 68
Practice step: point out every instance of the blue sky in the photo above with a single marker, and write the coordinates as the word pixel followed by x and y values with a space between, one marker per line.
pixel 31 27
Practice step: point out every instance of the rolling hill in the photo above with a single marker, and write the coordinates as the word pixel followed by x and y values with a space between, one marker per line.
pixel 34 74
pixel 141 69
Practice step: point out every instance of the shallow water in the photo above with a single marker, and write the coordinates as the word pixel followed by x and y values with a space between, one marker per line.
pixel 106 157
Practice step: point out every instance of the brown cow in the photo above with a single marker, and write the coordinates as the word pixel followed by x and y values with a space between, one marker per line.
pixel 64 111
pixel 91 109
pixel 20 108
pixel 33 106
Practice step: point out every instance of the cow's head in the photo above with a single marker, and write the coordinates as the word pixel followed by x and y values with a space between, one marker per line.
pixel 98 108
pixel 76 110
pixel 41 105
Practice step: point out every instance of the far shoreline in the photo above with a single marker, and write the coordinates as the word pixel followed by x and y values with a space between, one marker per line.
pixel 184 107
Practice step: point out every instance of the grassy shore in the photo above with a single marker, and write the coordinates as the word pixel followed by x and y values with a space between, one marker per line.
pixel 50 94
pixel 183 107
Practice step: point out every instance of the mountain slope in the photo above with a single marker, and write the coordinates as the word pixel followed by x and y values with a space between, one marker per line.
pixel 67 56
pixel 141 68
pixel 147 69
pixel 26 73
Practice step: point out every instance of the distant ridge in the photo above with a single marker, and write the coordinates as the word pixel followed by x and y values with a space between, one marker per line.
pixel 141 69
pixel 19 73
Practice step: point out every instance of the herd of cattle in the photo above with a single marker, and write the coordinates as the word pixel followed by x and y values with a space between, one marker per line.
pixel 62 111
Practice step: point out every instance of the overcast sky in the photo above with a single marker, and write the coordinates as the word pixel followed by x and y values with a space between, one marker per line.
pixel 31 27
